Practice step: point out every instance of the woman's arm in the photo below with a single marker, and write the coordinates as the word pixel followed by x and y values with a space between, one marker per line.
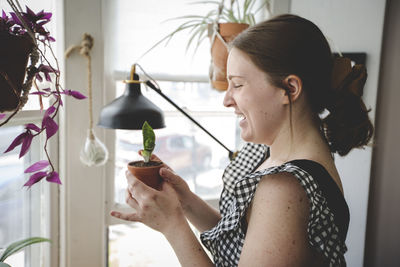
pixel 277 224
pixel 186 246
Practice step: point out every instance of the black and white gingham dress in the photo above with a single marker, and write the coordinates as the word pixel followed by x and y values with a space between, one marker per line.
pixel 329 214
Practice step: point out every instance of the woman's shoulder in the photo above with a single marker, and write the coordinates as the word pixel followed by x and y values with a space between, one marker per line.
pixel 281 185
pixel 280 192
pixel 278 189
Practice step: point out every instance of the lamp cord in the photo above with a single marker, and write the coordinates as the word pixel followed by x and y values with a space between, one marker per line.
pixel 84 49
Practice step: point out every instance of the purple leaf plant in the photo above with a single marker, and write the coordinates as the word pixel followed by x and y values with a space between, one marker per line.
pixel 23 23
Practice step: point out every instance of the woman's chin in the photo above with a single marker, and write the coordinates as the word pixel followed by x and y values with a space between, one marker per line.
pixel 245 137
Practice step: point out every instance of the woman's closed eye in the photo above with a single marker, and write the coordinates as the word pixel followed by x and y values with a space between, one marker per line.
pixel 237 85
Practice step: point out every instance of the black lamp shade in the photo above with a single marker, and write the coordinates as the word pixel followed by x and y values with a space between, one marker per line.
pixel 131 110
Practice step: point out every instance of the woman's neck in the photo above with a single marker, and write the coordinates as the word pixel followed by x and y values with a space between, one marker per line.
pixel 304 141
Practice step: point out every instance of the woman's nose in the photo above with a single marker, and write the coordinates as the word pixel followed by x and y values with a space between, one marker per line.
pixel 228 100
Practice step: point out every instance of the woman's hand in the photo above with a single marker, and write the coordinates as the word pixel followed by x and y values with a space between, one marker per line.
pixel 160 210
pixel 181 187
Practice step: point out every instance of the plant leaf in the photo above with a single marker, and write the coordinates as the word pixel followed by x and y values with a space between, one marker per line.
pixel 2 116
pixel 38 77
pixel 32 126
pixel 15 18
pixel 17 141
pixel 49 111
pixel 149 139
pixel 37 166
pixel 26 144
pixel 18 245
pixel 47 114
pixel 146 155
pixel 77 94
pixel 168 37
pixel 36 177
pixel 197 32
pixel 51 127
pixel 53 177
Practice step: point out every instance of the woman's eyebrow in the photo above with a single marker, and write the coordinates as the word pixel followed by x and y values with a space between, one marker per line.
pixel 234 76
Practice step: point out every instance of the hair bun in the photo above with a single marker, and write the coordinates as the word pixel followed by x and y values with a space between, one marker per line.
pixel 348 125
pixel 345 77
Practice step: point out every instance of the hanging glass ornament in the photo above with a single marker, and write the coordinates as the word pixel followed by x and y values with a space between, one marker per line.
pixel 94 152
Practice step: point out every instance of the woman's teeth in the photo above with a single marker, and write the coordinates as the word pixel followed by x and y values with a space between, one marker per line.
pixel 241 116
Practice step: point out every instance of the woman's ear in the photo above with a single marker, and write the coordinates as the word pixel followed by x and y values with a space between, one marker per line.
pixel 294 87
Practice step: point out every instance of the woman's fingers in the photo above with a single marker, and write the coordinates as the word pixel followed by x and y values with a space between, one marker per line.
pixel 137 188
pixel 130 200
pixel 133 217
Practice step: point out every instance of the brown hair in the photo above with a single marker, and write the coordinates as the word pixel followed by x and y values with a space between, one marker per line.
pixel 288 44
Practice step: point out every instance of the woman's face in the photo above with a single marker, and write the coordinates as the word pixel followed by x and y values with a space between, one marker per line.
pixel 259 104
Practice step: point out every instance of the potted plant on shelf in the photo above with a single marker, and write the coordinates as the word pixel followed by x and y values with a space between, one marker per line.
pixel 24 64
pixel 17 246
pixel 221 25
pixel 147 170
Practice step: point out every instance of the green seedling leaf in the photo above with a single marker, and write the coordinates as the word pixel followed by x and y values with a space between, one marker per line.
pixel 149 141
pixel 16 246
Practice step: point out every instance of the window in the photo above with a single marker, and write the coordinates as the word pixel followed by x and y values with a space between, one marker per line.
pixel 24 213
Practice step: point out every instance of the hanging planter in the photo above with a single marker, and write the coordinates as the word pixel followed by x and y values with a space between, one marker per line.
pixel 24 64
pixel 224 21
pixel 220 38
pixel 14 54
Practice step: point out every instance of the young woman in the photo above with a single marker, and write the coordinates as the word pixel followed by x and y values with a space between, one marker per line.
pixel 282 202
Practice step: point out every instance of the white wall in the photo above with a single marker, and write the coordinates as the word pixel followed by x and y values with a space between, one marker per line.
pixel 353 26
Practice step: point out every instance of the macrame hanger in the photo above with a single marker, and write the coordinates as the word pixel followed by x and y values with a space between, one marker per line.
pixel 94 152
pixel 215 32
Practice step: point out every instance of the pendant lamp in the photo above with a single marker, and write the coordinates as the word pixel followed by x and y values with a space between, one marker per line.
pixel 131 109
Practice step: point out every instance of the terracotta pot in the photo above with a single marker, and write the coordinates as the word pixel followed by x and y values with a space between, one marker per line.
pixel 14 55
pixel 219 52
pixel 149 175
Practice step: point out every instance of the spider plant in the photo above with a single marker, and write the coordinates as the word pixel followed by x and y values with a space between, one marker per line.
pixel 17 246
pixel 236 11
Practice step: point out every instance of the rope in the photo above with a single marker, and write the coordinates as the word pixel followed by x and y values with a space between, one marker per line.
pixel 84 49
pixel 215 26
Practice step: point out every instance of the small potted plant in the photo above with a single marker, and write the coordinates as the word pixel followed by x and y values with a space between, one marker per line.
pixel 147 170
pixel 221 25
